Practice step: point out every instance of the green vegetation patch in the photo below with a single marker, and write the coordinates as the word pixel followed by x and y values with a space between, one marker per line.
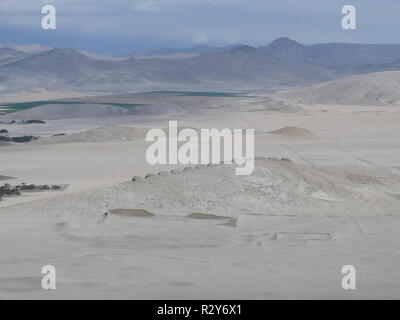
pixel 15 107
pixel 201 94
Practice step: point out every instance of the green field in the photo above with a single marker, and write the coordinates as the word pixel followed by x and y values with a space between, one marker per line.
pixel 199 94
pixel 15 107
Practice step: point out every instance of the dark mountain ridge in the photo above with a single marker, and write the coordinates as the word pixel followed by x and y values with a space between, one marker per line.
pixel 337 56
pixel 284 62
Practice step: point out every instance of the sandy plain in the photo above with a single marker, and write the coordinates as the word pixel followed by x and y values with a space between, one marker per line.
pixel 284 232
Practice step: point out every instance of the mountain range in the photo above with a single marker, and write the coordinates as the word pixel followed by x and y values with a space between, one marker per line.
pixel 8 55
pixel 282 63
pixel 337 56
pixel 195 50
pixel 374 89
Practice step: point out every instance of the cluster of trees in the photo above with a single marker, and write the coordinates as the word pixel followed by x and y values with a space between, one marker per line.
pixel 9 190
pixel 33 121
pixel 4 137
pixel 17 139
pixel 27 122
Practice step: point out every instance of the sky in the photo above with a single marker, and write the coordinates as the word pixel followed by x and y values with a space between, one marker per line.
pixel 120 27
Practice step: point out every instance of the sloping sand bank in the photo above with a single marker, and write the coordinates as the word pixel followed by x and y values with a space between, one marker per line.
pixel 277 187
pixel 284 232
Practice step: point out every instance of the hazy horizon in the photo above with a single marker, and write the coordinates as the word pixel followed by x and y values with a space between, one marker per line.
pixel 127 26
pixel 27 46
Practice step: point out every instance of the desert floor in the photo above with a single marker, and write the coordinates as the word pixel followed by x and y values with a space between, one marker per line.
pixel 284 232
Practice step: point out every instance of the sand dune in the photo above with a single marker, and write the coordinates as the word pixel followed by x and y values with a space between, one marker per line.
pixel 294 133
pixel 276 188
pixel 382 88
pixel 204 232
pixel 39 94
pixel 68 111
pixel 102 134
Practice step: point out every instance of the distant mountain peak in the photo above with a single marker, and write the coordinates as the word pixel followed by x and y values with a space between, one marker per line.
pixel 284 43
pixel 59 61
pixel 287 49
pixel 65 51
pixel 8 55
pixel 62 54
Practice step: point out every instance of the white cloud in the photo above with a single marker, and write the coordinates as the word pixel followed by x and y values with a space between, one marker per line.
pixel 200 37
pixel 176 22
pixel 148 6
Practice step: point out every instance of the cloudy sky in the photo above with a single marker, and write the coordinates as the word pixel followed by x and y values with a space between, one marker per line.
pixel 122 26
